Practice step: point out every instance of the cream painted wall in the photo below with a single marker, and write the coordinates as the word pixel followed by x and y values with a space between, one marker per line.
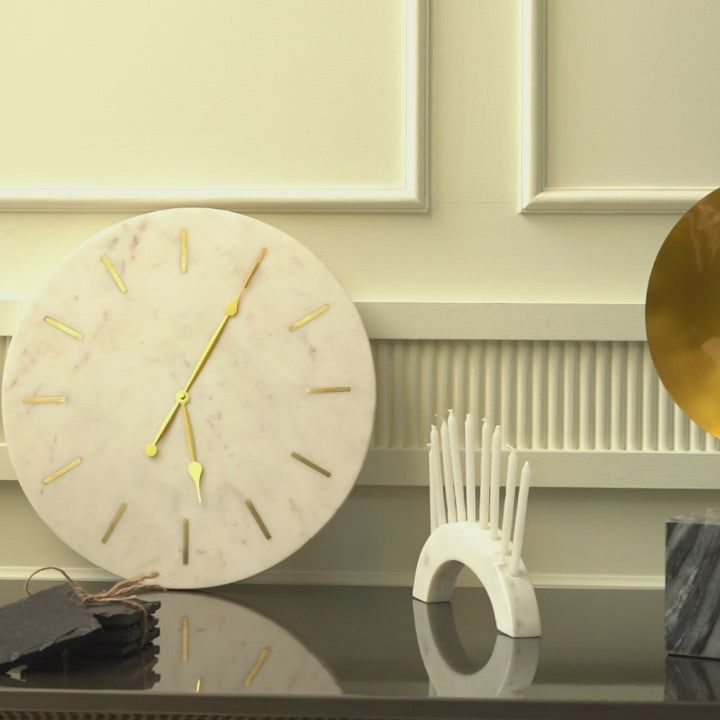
pixel 474 248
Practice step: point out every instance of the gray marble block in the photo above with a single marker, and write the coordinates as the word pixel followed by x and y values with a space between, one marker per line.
pixel 692 679
pixel 692 584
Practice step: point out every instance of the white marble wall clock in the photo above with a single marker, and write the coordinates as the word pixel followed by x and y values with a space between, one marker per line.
pixel 191 391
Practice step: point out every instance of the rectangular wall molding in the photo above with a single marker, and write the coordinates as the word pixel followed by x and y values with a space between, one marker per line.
pixel 388 185
pixel 534 194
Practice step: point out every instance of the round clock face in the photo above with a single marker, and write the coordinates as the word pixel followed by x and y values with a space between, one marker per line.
pixel 191 392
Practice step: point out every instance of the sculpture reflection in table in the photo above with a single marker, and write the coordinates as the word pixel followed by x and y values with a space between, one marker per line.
pixel 509 671
pixel 467 534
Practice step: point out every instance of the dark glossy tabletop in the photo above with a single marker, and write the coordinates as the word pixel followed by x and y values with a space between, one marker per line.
pixel 303 651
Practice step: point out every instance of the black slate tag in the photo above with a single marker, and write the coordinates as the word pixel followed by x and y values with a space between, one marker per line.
pixel 47 622
pixel 114 614
pixel 124 634
pixel 132 672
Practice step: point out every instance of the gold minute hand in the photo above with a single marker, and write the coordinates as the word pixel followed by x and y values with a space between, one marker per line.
pixel 230 310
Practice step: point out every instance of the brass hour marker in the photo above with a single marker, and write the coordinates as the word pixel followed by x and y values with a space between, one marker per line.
pixel 185 638
pixel 114 522
pixel 340 389
pixel 62 470
pixel 198 685
pixel 39 399
pixel 256 667
pixel 186 540
pixel 310 316
pixel 311 464
pixel 57 324
pixel 258 519
pixel 114 274
pixel 183 250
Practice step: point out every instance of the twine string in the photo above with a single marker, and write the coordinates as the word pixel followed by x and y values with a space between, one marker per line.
pixel 123 591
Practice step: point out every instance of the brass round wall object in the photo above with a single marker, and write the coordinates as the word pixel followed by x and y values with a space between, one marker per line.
pixel 682 313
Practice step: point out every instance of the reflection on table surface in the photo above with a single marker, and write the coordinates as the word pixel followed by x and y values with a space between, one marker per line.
pixel 604 645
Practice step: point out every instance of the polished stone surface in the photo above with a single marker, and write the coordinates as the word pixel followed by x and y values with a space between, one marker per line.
pixel 692 679
pixel 307 651
pixel 692 580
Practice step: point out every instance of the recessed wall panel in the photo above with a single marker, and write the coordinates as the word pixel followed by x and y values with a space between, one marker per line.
pixel 265 103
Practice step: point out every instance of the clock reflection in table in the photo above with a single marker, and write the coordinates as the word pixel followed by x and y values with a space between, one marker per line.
pixel 207 645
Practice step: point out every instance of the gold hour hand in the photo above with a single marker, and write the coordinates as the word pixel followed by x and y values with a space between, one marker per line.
pixel 152 449
pixel 195 469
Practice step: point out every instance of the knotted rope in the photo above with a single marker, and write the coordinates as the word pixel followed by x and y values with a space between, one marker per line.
pixel 124 591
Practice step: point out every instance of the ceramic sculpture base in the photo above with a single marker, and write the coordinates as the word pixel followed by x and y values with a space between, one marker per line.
pixel 452 546
pixel 692 584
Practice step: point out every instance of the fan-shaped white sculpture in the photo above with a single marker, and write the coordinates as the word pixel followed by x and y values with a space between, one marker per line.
pixel 457 539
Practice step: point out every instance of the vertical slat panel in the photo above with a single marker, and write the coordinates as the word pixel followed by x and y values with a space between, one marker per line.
pixel 586 396
pixel 382 350
pixel 492 395
pixel 618 404
pixel 508 398
pixel 412 414
pixel 539 397
pixel 697 438
pixel 649 404
pixel 398 404
pixel 523 431
pixel 601 413
pixel 681 428
pixel 633 398
pixel 711 443
pixel 665 412
pixel 475 376
pixel 442 386
pixel 459 387
pixel 546 394
pixel 555 383
pixel 428 390
pixel 571 437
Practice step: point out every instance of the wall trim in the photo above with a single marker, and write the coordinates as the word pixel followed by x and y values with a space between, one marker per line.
pixel 410 195
pixel 535 195
pixel 388 320
pixel 503 321
pixel 592 469
pixel 584 469
pixel 362 578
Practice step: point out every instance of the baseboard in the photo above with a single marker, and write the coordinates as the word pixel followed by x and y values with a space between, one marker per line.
pixel 363 578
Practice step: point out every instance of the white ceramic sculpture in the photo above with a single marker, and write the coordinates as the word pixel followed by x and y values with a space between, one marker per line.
pixel 465 534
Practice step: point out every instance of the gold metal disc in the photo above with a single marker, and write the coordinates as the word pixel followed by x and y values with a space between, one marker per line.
pixel 682 313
